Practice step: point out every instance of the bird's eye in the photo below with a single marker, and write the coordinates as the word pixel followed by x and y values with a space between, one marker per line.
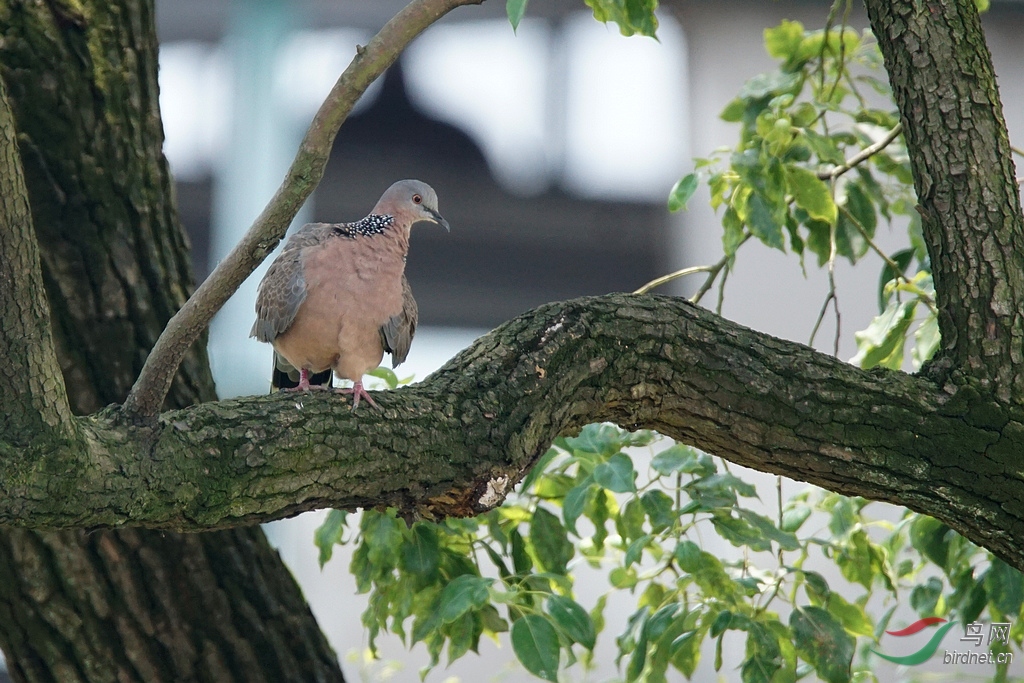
pixel 416 199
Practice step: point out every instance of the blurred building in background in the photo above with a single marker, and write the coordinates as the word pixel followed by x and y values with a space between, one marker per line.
pixel 552 150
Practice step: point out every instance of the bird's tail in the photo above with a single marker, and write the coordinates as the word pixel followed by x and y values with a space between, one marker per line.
pixel 286 375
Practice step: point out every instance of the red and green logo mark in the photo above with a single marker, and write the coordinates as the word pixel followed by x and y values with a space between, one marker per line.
pixel 929 648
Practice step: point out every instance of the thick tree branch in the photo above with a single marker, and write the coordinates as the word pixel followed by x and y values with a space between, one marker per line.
pixel 944 85
pixel 29 373
pixel 307 169
pixel 472 429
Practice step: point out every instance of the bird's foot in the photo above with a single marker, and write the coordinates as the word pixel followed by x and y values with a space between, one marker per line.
pixel 358 392
pixel 305 386
pixel 308 388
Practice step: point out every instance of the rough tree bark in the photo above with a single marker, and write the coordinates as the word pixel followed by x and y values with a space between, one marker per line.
pixel 134 604
pixel 946 442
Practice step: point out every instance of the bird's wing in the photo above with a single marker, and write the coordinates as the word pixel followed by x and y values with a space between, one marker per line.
pixel 283 288
pixel 397 332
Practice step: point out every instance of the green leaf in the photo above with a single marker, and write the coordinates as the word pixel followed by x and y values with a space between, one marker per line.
pixel 739 533
pixel 535 643
pixel 706 570
pixel 721 623
pixel 573 620
pixel 421 554
pixel 732 235
pixel 857 560
pixel 858 203
pixel 538 468
pixel 550 544
pixel 632 16
pixel 602 439
pixel 764 656
pixel 328 534
pixel 616 474
pixel 926 340
pixel 630 521
pixel 515 9
pixel 782 41
pixel 925 597
pixel 719 490
pixel 461 595
pixel 636 549
pixel 575 502
pixel 674 459
pixel 1005 587
pixel 851 616
pixel 823 642
pixel 639 658
pixel 660 509
pixel 851 243
pixel 682 192
pixel 686 651
pixel 761 220
pixel 386 374
pixel 817 586
pixel 622 577
pixel 811 193
pixel 930 537
pixel 770 85
pixel 463 635
pixel 902 259
pixel 882 342
pixel 491 620
pixel 734 111
pixel 521 561
pixel 794 518
pixel 786 540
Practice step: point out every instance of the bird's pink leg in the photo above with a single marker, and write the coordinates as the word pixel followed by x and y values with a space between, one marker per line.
pixel 358 392
pixel 304 384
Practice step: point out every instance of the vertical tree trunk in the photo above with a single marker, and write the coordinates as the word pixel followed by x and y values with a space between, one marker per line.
pixel 944 84
pixel 127 605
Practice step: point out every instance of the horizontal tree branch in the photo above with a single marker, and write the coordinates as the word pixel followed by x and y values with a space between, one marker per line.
pixel 147 395
pixel 456 443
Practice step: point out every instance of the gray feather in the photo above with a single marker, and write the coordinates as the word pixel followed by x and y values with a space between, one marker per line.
pixel 283 288
pixel 397 333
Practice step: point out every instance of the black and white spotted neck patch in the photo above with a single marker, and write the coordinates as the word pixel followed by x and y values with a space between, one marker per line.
pixel 374 224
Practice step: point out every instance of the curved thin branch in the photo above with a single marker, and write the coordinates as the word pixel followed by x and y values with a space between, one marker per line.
pixel 692 270
pixel 715 270
pixel 307 169
pixel 863 155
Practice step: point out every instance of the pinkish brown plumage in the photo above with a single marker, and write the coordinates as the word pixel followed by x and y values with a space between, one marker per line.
pixel 336 297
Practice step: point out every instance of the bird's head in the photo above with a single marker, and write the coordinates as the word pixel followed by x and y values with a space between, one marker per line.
pixel 412 201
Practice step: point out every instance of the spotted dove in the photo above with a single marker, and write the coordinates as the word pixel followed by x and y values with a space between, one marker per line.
pixel 336 297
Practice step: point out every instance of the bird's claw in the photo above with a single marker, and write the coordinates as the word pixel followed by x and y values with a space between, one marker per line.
pixel 358 392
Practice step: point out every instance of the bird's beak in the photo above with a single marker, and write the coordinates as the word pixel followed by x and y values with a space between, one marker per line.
pixel 437 218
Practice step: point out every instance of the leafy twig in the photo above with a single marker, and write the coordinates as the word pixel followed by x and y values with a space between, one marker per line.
pixel 888 261
pixel 863 155
pixel 307 169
